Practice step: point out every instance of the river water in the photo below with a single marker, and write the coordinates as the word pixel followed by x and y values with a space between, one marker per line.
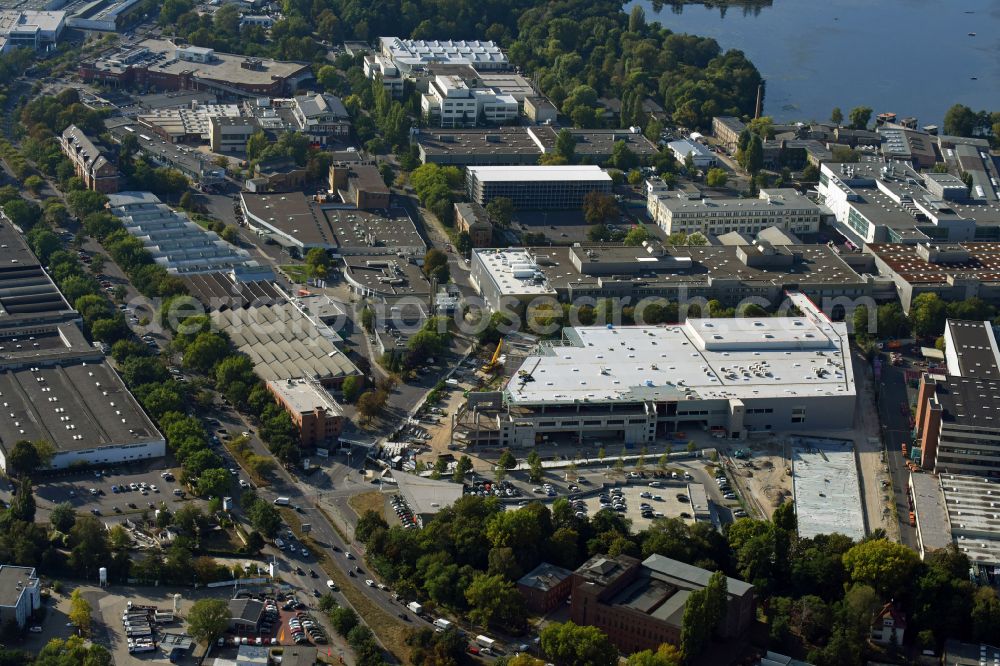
pixel 912 57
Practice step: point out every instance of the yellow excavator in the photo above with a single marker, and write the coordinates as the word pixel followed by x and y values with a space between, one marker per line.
pixel 491 366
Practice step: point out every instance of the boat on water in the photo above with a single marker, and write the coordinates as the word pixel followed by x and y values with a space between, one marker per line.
pixel 972 34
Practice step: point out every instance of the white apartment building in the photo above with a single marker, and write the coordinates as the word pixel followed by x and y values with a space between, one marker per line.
pixel 450 102
pixel 782 207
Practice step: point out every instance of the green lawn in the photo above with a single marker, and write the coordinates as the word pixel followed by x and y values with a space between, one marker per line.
pixel 295 272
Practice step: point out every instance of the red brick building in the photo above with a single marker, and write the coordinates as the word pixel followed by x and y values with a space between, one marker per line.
pixel 640 605
pixel 318 418
pixel 545 587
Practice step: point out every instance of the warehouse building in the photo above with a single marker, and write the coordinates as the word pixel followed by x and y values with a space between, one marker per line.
pixel 640 604
pixel 284 344
pixel 537 187
pixel 159 64
pixel 173 240
pixel 506 146
pixel 410 54
pixel 638 384
pixel 299 225
pixel 54 385
pixel 681 274
pixel 953 271
pixel 105 15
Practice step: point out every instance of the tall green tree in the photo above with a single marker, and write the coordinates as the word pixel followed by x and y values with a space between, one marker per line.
pixel 860 116
pixel 208 619
pixel 568 644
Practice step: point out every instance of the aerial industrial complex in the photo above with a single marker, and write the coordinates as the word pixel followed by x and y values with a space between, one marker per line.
pixel 54 385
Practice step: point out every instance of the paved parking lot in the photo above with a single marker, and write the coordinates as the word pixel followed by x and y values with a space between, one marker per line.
pixel 668 505
pixel 74 486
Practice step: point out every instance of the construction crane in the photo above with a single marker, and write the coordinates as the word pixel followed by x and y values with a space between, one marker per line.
pixel 491 366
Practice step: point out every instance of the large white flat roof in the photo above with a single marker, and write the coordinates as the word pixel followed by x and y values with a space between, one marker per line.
pixel 514 272
pixel 535 173
pixel 740 358
pixel 827 494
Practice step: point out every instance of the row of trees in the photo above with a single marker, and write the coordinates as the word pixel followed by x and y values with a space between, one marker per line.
pixel 927 316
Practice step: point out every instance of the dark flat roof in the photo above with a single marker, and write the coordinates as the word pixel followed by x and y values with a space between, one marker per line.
pixel 26 290
pixel 76 405
pixel 974 346
pixel 970 401
pixel 10 576
pixel 354 228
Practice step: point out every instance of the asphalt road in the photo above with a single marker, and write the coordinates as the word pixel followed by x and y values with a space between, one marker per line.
pixel 896 431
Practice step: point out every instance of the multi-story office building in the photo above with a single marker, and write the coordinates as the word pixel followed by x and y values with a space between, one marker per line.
pixel 783 208
pixel 451 102
pixel 229 134
pixel 90 164
pixel 637 384
pixel 20 594
pixel 377 66
pixel 730 274
pixel 640 604
pixel 537 187
pixel 875 202
pixel 958 413
pixel 35 30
